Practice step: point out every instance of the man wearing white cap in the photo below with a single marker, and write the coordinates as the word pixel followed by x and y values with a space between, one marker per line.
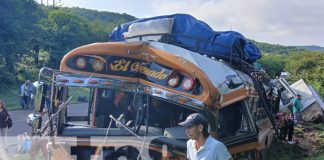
pixel 201 145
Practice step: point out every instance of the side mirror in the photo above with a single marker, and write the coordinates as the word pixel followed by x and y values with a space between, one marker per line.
pixel 233 81
pixel 40 96
pixel 34 120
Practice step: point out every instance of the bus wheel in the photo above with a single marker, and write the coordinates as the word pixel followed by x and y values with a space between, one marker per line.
pixel 126 152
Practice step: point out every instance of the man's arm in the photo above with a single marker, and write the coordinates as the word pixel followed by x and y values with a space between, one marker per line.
pixel 188 155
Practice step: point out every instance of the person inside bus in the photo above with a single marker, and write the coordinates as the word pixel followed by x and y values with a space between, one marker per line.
pixel 121 104
pixel 159 116
pixel 102 110
pixel 230 119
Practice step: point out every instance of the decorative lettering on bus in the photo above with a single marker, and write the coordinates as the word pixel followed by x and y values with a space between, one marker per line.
pixel 126 65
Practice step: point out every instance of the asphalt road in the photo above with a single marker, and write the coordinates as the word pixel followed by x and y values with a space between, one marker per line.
pixel 19 119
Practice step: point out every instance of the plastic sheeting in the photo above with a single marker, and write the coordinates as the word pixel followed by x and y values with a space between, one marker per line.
pixel 300 87
pixel 195 35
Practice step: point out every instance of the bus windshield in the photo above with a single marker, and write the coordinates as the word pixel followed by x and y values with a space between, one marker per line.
pixel 132 110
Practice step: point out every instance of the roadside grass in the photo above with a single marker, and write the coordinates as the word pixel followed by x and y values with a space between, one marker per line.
pixel 11 97
pixel 284 151
pixel 309 147
pixel 318 157
pixel 10 90
pixel 319 126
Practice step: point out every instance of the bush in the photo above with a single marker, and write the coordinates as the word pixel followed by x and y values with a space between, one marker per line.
pixel 6 79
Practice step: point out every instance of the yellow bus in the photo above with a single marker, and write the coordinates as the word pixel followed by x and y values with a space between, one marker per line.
pixel 142 90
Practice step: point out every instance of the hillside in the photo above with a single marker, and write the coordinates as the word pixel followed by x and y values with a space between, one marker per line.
pixel 267 48
pixel 299 62
pixel 33 35
pixel 311 48
pixel 105 17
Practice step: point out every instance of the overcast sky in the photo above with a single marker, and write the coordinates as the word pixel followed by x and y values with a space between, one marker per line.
pixel 286 22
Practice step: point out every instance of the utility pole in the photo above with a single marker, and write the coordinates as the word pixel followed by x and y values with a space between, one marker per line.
pixel 54 2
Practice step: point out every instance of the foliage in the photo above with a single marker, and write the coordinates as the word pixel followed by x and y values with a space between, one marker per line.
pixel 16 31
pixel 308 66
pixel 66 31
pixel 11 97
pixel 93 15
pixel 266 48
pixel 33 35
pixel 6 78
pixel 318 157
pixel 311 48
pixel 77 92
pixel 101 22
pixel 283 151
pixel 274 64
pixel 300 63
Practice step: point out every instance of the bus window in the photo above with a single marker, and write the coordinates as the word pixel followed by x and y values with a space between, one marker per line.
pixel 161 114
pixel 164 114
pixel 77 109
pixel 233 120
pixel 111 102
pixel 257 109
pixel 101 109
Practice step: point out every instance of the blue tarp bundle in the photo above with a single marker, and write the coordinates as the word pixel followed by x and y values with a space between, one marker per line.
pixel 195 35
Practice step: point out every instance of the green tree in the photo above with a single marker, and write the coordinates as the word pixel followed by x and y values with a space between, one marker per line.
pixel 29 31
pixel 65 32
pixel 308 66
pixel 17 23
pixel 273 64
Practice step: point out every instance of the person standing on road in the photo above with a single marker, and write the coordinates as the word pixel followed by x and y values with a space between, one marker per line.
pixel 297 108
pixel 286 124
pixel 289 128
pixel 201 145
pixel 4 117
pixel 26 92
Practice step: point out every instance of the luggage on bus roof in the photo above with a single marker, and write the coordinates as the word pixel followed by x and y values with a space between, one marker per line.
pixel 190 33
